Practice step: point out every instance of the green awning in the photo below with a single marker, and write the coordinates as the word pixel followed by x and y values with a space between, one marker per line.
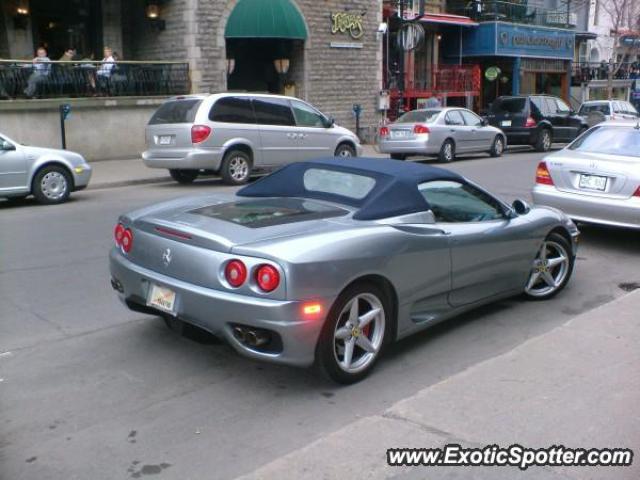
pixel 266 19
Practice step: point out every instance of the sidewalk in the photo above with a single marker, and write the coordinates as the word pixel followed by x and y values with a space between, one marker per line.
pixel 577 385
pixel 119 173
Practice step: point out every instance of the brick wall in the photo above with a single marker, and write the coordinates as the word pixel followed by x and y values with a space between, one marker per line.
pixel 112 25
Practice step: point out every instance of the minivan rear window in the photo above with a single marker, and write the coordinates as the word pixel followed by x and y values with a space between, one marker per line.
pixel 176 111
pixel 509 105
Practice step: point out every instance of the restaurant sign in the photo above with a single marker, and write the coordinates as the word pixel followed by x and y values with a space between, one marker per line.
pixel 527 41
pixel 350 23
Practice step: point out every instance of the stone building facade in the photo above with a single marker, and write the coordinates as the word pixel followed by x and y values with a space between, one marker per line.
pixel 333 71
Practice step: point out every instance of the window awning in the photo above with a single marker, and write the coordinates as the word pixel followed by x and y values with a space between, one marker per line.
pixel 266 19
pixel 447 19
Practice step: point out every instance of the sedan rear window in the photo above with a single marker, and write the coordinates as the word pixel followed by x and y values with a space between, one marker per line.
pixel 344 184
pixel 176 111
pixel 595 107
pixel 610 140
pixel 270 212
pixel 415 116
pixel 509 105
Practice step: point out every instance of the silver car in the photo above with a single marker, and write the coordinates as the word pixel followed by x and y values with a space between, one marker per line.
pixel 595 179
pixel 597 111
pixel 49 174
pixel 444 132
pixel 328 261
pixel 233 134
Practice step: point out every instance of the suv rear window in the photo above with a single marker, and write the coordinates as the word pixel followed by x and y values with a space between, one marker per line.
pixel 232 110
pixel 509 105
pixel 176 111
pixel 595 107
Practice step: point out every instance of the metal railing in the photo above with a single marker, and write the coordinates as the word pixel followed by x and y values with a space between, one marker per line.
pixel 587 71
pixel 514 12
pixel 443 79
pixel 54 79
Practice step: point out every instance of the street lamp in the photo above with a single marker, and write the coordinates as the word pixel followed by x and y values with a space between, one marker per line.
pixel 282 67
pixel 152 11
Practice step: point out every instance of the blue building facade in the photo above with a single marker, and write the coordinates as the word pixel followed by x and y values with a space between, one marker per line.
pixel 519 59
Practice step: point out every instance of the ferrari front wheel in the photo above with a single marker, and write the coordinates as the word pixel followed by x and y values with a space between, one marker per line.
pixel 551 269
pixel 354 334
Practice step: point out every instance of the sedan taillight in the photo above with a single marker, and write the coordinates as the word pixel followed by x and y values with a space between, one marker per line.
pixel 543 176
pixel 267 278
pixel 384 131
pixel 199 133
pixel 420 129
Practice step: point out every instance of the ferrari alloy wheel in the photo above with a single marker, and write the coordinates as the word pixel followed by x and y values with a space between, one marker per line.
pixel 236 168
pixel 52 185
pixel 354 334
pixel 551 268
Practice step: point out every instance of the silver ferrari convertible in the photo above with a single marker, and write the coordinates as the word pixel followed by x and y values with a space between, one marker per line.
pixel 328 261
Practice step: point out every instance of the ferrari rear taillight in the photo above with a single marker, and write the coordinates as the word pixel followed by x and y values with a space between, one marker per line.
pixel 123 237
pixel 384 131
pixel 235 273
pixel 267 278
pixel 420 129
pixel 530 122
pixel 118 233
pixel 542 174
pixel 199 133
pixel 127 241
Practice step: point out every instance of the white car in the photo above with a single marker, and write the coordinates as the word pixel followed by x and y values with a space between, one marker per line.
pixel 48 174
pixel 596 111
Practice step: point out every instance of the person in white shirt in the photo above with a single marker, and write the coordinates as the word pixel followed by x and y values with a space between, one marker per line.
pixel 41 69
pixel 104 72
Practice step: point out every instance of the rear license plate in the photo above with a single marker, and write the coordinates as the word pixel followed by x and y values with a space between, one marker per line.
pixel 505 123
pixel 399 133
pixel 161 298
pixel 164 140
pixel 593 182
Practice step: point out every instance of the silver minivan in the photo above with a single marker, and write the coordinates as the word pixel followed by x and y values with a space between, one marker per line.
pixel 234 133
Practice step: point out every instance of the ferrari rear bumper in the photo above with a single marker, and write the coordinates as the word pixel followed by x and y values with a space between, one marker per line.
pixel 219 311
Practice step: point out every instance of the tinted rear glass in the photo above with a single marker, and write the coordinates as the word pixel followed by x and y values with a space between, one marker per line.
pixel 232 110
pixel 598 107
pixel 610 140
pixel 176 111
pixel 509 105
pixel 419 116
pixel 273 111
pixel 270 212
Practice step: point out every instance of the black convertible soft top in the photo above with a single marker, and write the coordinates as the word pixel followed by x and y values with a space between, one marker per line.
pixel 395 191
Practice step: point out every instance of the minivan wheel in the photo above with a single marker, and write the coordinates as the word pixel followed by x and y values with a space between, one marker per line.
pixel 498 147
pixel 52 185
pixel 543 144
pixel 345 150
pixel 184 176
pixel 236 168
pixel 447 152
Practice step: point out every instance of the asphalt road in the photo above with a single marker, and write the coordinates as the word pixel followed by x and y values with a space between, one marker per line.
pixel 89 390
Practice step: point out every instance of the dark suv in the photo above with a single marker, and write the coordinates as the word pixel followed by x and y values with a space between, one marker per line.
pixel 536 120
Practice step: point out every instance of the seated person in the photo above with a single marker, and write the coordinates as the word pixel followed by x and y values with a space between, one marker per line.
pixel 104 72
pixel 41 69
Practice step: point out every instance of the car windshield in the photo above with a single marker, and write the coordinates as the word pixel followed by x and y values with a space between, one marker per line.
pixel 176 111
pixel 509 105
pixel 349 185
pixel 415 116
pixel 595 107
pixel 270 212
pixel 610 140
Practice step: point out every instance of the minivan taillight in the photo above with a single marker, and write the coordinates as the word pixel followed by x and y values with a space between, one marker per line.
pixel 419 129
pixel 543 176
pixel 199 133
pixel 530 123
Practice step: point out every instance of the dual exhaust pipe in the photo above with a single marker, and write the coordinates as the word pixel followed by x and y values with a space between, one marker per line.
pixel 252 337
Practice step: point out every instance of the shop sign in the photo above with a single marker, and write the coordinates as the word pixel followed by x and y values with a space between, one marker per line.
pixel 492 73
pixel 348 22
